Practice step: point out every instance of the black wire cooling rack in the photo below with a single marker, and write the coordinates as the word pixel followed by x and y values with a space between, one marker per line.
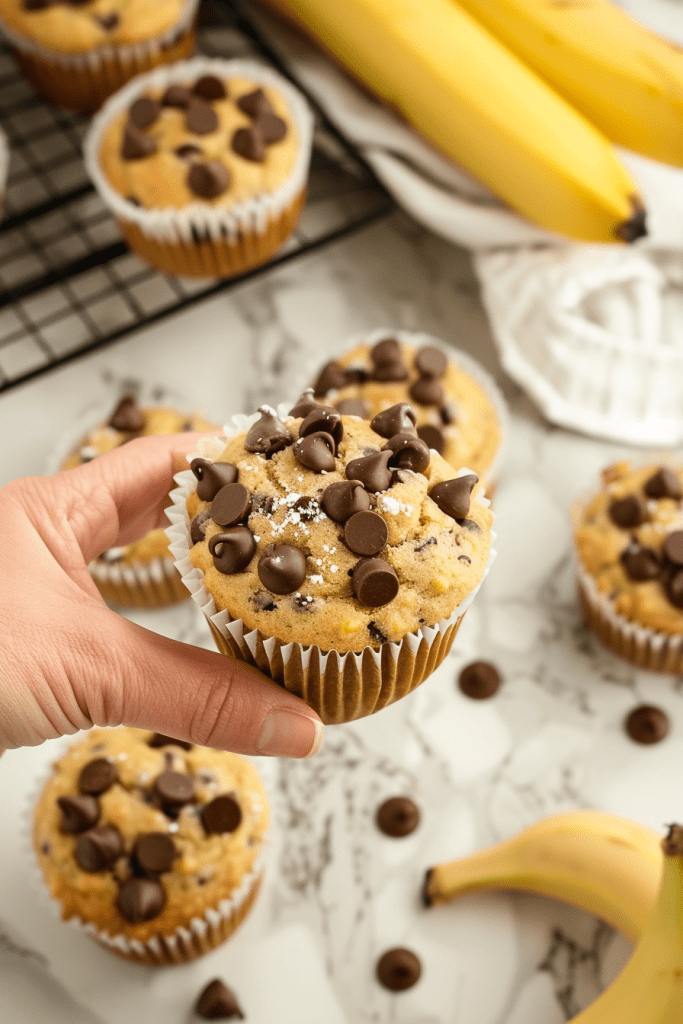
pixel 68 284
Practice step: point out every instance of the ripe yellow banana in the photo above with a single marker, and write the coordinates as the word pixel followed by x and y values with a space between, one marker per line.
pixel 483 107
pixel 627 80
pixel 605 864
pixel 649 990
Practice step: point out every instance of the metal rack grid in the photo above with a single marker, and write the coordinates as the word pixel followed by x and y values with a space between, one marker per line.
pixel 68 284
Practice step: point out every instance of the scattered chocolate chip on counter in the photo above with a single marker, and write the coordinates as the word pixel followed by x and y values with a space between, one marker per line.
pixel 479 680
pixel 397 817
pixel 398 969
pixel 647 724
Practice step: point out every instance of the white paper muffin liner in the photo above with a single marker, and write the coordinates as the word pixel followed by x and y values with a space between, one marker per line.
pixel 4 164
pixel 466 363
pixel 252 217
pixel 199 936
pixel 648 648
pixel 339 687
pixel 95 59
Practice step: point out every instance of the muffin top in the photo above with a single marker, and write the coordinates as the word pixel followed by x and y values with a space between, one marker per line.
pixel 630 539
pixel 77 26
pixel 139 833
pixel 319 529
pixel 214 140
pixel 129 420
pixel 454 414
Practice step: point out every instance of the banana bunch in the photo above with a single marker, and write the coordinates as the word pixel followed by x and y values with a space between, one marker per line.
pixel 527 95
pixel 613 868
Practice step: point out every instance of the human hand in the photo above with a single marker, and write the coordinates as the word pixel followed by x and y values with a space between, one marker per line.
pixel 69 662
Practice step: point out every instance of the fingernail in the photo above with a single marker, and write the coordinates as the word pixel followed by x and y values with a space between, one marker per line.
pixel 289 734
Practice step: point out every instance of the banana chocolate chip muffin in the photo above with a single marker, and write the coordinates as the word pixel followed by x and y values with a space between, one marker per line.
pixel 629 541
pixel 151 843
pixel 75 53
pixel 204 165
pixel 459 410
pixel 322 533
pixel 142 574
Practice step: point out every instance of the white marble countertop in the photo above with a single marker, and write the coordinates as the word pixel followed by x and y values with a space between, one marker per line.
pixel 552 739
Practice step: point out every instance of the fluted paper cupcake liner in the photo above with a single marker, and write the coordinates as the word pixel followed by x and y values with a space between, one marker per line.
pixel 4 166
pixel 82 81
pixel 201 240
pixel 466 363
pixel 339 687
pixel 648 648
pixel 200 935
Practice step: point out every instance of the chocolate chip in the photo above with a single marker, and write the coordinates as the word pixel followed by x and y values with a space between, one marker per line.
pixel 397 817
pixel 209 88
pixel 465 558
pixel 249 144
pixel 97 776
pixel 303 602
pixel 308 508
pixel 232 549
pixel 427 391
pixel 218 1002
pixel 323 418
pixel 647 724
pixel 230 505
pixel 398 419
pixel 640 563
pixel 200 117
pixel 673 587
pixel 353 407
pixel 136 145
pixel 263 602
pixel 374 582
pixel 663 484
pixel 282 568
pixel 448 413
pixel 673 547
pixel 469 524
pixel 255 104
pixel 431 362
pixel 159 739
pixel 453 496
pixel 140 899
pixel 198 526
pixel 98 849
pixel 408 452
pixel 144 112
pixel 332 377
pixel 208 180
pixel 174 789
pixel 127 416
pixel 356 375
pixel 223 814
pixel 108 22
pixel 212 476
pixel 366 533
pixel 188 151
pixel 341 500
pixel 376 633
pixel 426 544
pixel 388 372
pixel 134 200
pixel 154 853
pixel 268 434
pixel 263 504
pixel 372 470
pixel 315 452
pixel 629 511
pixel 305 404
pixel 176 96
pixel 398 969
pixel 432 436
pixel 479 680
pixel 78 813
pixel 386 351
pixel 271 128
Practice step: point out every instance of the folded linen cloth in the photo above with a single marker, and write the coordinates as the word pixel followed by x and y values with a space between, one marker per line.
pixel 593 333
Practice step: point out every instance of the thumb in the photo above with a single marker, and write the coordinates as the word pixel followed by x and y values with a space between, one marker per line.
pixel 146 680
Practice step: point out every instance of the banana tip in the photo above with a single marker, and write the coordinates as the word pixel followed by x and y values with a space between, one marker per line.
pixel 672 844
pixel 426 895
pixel 636 226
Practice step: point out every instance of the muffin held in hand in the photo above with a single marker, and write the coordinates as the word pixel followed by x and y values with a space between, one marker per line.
pixel 151 843
pixel 629 541
pixel 75 53
pixel 139 575
pixel 459 411
pixel 322 533
pixel 203 164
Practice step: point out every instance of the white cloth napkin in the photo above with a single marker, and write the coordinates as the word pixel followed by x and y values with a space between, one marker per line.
pixel 593 333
